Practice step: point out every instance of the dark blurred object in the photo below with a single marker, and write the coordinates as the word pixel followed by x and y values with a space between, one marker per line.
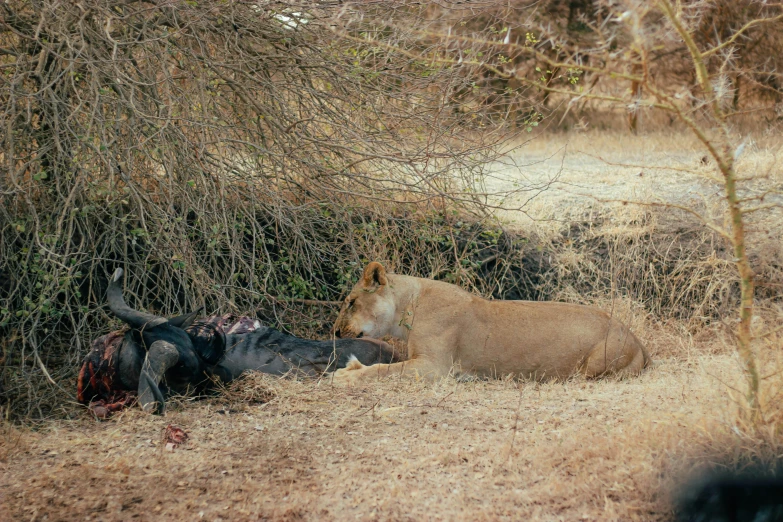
pixel 751 495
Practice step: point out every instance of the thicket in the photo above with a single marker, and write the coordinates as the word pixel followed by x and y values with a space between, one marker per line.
pixel 219 151
pixel 560 47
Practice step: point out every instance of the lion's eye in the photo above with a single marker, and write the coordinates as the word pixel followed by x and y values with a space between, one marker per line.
pixel 350 303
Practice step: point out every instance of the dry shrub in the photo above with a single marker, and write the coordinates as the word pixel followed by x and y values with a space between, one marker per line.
pixel 540 76
pixel 666 261
pixel 234 155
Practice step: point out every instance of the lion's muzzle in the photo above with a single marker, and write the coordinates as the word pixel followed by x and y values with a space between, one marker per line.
pixel 346 332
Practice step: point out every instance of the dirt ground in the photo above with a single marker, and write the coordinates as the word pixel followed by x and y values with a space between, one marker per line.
pixel 402 450
pixel 393 450
pixel 559 176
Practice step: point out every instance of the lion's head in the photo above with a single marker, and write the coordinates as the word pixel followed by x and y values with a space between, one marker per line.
pixel 369 309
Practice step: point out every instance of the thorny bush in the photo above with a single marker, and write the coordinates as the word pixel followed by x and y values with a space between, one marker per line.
pixel 216 150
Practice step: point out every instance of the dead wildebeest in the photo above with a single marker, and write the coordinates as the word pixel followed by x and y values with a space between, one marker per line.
pixel 159 357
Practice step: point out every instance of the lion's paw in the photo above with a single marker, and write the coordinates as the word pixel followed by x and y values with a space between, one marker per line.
pixel 353 364
pixel 344 377
pixel 349 375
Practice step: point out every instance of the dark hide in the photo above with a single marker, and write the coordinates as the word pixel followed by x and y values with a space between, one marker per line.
pixel 158 358
pixel 271 351
pixel 733 497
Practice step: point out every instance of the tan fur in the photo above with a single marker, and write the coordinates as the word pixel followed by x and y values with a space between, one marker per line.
pixel 448 329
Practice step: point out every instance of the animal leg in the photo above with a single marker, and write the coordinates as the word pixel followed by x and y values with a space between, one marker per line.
pixel 161 356
pixel 355 372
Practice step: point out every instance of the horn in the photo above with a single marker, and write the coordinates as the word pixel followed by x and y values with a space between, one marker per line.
pixel 183 321
pixel 162 356
pixel 127 314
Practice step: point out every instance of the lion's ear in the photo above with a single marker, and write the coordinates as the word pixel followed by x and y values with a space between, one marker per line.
pixel 374 275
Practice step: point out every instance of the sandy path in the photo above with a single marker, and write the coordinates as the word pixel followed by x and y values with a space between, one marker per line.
pixel 557 175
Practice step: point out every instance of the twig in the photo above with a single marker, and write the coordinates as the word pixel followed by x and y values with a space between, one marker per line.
pixel 516 424
pixel 371 408
pixel 443 399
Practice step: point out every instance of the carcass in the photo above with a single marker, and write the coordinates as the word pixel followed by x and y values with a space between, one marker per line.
pixel 157 357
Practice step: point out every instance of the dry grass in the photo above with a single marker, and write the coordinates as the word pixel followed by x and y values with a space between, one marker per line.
pixel 393 450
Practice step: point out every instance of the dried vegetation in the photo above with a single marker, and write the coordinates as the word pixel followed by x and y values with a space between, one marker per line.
pixel 393 450
pixel 252 159
pixel 290 449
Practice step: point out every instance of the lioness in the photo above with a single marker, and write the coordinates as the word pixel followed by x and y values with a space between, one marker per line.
pixel 447 327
